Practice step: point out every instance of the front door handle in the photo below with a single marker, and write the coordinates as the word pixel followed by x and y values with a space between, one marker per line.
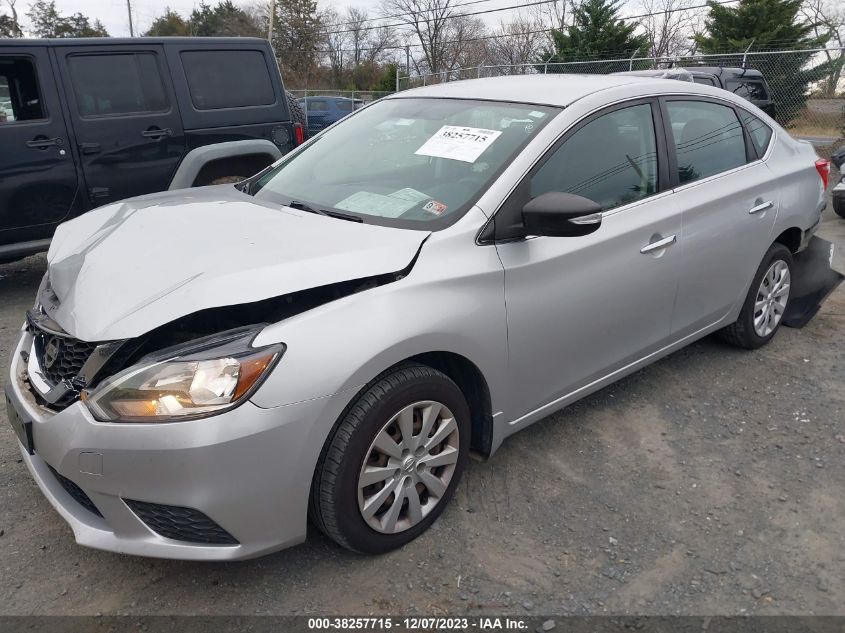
pixel 43 142
pixel 666 242
pixel 157 133
pixel 761 207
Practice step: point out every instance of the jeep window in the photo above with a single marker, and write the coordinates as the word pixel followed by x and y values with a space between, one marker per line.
pixel 747 89
pixel 701 79
pixel 317 105
pixel 428 160
pixel 117 84
pixel 228 79
pixel 19 96
pixel 760 133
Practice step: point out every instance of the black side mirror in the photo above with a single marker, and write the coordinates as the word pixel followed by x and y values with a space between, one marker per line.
pixel 558 214
pixel 838 158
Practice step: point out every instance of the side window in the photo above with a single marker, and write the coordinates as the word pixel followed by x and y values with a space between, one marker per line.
pixel 612 160
pixel 227 79
pixel 20 99
pixel 117 84
pixel 701 79
pixel 747 89
pixel 343 105
pixel 760 133
pixel 708 138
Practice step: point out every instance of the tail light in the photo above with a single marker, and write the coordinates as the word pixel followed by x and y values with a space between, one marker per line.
pixel 299 134
pixel 823 167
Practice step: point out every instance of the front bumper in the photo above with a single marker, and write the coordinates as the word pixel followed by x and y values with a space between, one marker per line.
pixel 248 470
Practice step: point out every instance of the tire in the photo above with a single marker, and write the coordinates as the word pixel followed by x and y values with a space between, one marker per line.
pixel 339 497
pixel 297 114
pixel 743 332
pixel 839 205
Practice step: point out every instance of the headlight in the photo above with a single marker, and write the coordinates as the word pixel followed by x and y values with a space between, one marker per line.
pixel 185 383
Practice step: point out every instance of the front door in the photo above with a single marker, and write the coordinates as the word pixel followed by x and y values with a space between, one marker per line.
pixel 580 308
pixel 37 173
pixel 127 123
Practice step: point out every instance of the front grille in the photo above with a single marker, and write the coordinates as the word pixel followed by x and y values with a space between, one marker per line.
pixel 180 524
pixel 76 492
pixel 62 358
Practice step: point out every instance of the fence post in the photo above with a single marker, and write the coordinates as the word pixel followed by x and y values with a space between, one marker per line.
pixel 631 60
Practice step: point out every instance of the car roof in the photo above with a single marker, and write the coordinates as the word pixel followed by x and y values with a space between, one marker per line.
pixel 553 89
pixel 124 41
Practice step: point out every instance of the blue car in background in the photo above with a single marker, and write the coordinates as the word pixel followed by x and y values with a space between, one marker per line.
pixel 323 111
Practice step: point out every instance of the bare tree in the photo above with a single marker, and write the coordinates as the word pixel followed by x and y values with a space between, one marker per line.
pixel 517 42
pixel 668 25
pixel 336 40
pixel 465 45
pixel 9 25
pixel 828 19
pixel 427 21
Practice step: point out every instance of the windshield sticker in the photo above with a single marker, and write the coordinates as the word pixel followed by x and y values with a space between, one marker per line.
pixel 376 204
pixel 458 143
pixel 411 195
pixel 536 114
pixel 437 208
pixel 405 122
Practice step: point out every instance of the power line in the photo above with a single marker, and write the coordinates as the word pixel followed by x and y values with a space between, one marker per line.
pixel 402 15
pixel 445 17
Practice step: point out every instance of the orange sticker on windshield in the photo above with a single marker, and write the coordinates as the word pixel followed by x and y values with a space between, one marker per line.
pixel 437 208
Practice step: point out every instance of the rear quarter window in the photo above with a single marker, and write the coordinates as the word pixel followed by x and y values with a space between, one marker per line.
pixel 761 134
pixel 227 79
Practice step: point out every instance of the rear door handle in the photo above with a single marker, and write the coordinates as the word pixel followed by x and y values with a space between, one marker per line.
pixel 666 242
pixel 761 207
pixel 44 143
pixel 89 148
pixel 157 133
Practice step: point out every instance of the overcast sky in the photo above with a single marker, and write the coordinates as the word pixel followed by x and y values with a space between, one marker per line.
pixel 113 13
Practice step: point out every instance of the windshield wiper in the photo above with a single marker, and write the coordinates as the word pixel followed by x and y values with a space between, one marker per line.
pixel 302 206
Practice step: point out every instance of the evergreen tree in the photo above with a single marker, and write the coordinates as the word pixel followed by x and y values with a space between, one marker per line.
pixel 169 24
pixel 597 31
pixel 768 25
pixel 9 27
pixel 46 21
pixel 297 39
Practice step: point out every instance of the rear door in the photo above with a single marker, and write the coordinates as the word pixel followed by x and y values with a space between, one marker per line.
pixel 729 200
pixel 37 173
pixel 128 128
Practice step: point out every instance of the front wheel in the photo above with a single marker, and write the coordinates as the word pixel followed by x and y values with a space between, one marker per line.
pixel 765 303
pixel 392 464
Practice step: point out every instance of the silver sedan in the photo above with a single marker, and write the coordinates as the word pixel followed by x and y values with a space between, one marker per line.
pixel 206 369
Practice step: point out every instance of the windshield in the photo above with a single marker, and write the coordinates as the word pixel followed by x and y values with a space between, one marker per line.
pixel 414 163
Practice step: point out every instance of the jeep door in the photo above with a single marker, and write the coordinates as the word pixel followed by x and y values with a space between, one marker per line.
pixel 581 308
pixel 37 174
pixel 127 123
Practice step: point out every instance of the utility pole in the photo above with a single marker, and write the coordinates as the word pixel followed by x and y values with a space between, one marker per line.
pixel 129 10
pixel 272 16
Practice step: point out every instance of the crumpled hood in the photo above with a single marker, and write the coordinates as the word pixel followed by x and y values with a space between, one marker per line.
pixel 127 268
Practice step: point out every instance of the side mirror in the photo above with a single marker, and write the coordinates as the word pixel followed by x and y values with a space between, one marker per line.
pixel 838 158
pixel 558 214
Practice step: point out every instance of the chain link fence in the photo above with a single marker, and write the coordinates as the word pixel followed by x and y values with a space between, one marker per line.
pixel 807 86
pixel 365 96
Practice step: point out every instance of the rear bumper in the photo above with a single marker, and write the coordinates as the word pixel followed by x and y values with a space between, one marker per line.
pixel 248 470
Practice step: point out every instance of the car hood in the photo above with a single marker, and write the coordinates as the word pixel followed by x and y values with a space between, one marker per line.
pixel 127 268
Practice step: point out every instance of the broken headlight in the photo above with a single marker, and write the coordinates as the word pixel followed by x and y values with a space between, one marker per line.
pixel 199 380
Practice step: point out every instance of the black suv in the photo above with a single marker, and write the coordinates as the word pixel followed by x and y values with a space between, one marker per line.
pixel 85 122
pixel 743 82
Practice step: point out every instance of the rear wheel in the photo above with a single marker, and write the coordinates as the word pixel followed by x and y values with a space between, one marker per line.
pixel 765 303
pixel 392 464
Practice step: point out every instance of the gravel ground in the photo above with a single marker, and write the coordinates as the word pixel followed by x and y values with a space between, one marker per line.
pixel 708 483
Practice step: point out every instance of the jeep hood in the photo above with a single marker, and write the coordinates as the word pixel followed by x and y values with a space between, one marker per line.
pixel 127 268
